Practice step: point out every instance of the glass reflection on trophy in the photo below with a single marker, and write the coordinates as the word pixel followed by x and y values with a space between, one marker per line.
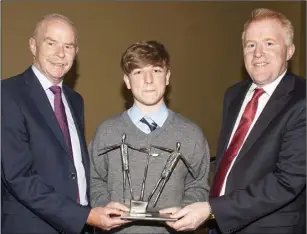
pixel 139 208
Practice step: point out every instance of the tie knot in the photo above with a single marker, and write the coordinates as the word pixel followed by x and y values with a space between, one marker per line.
pixel 257 93
pixel 152 126
pixel 56 89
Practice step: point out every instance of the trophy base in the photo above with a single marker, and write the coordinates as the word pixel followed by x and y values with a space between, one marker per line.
pixel 150 216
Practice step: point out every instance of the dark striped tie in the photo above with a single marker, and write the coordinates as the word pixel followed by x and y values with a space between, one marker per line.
pixel 151 126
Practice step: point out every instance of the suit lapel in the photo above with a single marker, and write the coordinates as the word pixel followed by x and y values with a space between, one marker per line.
pixel 40 99
pixel 275 104
pixel 231 116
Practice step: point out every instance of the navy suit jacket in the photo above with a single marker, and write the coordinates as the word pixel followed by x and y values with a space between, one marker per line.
pixel 39 185
pixel 266 187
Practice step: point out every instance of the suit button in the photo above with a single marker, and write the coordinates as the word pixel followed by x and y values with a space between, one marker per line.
pixel 73 176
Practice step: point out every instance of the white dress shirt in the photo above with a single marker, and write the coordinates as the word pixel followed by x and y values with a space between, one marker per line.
pixel 75 143
pixel 262 101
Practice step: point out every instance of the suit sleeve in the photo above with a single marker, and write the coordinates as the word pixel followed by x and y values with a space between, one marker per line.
pixel 19 176
pixel 99 172
pixel 197 189
pixel 274 190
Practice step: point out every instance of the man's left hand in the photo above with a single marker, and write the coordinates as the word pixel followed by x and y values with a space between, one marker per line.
pixel 190 217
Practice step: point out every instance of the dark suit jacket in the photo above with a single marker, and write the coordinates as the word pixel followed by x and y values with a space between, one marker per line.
pixel 265 190
pixel 39 178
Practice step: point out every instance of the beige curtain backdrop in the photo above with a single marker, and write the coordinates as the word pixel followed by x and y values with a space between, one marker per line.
pixel 203 38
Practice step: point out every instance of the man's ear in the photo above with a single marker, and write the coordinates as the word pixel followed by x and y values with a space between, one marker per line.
pixel 168 74
pixel 77 49
pixel 290 51
pixel 127 81
pixel 32 45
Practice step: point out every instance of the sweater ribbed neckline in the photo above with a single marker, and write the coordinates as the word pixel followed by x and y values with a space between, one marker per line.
pixel 139 134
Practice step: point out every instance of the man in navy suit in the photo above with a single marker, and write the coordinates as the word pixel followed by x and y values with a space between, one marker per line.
pixel 260 182
pixel 45 164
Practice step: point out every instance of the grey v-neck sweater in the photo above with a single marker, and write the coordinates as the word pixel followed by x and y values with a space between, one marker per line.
pixel 181 189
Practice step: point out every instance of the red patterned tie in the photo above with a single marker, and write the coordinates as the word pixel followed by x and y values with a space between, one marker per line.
pixel 60 114
pixel 236 143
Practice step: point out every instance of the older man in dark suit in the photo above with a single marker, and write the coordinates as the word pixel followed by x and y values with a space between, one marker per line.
pixel 260 183
pixel 45 165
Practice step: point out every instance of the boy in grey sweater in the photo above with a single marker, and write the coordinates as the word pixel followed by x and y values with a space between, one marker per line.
pixel 148 122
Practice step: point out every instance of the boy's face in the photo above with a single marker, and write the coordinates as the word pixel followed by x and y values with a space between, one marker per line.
pixel 148 86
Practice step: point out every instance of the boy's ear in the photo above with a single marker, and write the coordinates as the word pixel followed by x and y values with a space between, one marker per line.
pixel 127 81
pixel 168 74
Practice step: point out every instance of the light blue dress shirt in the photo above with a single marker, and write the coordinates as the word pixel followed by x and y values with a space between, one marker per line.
pixel 159 116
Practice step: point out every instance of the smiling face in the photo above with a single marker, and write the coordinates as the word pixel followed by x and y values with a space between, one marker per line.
pixel 148 85
pixel 54 49
pixel 265 51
